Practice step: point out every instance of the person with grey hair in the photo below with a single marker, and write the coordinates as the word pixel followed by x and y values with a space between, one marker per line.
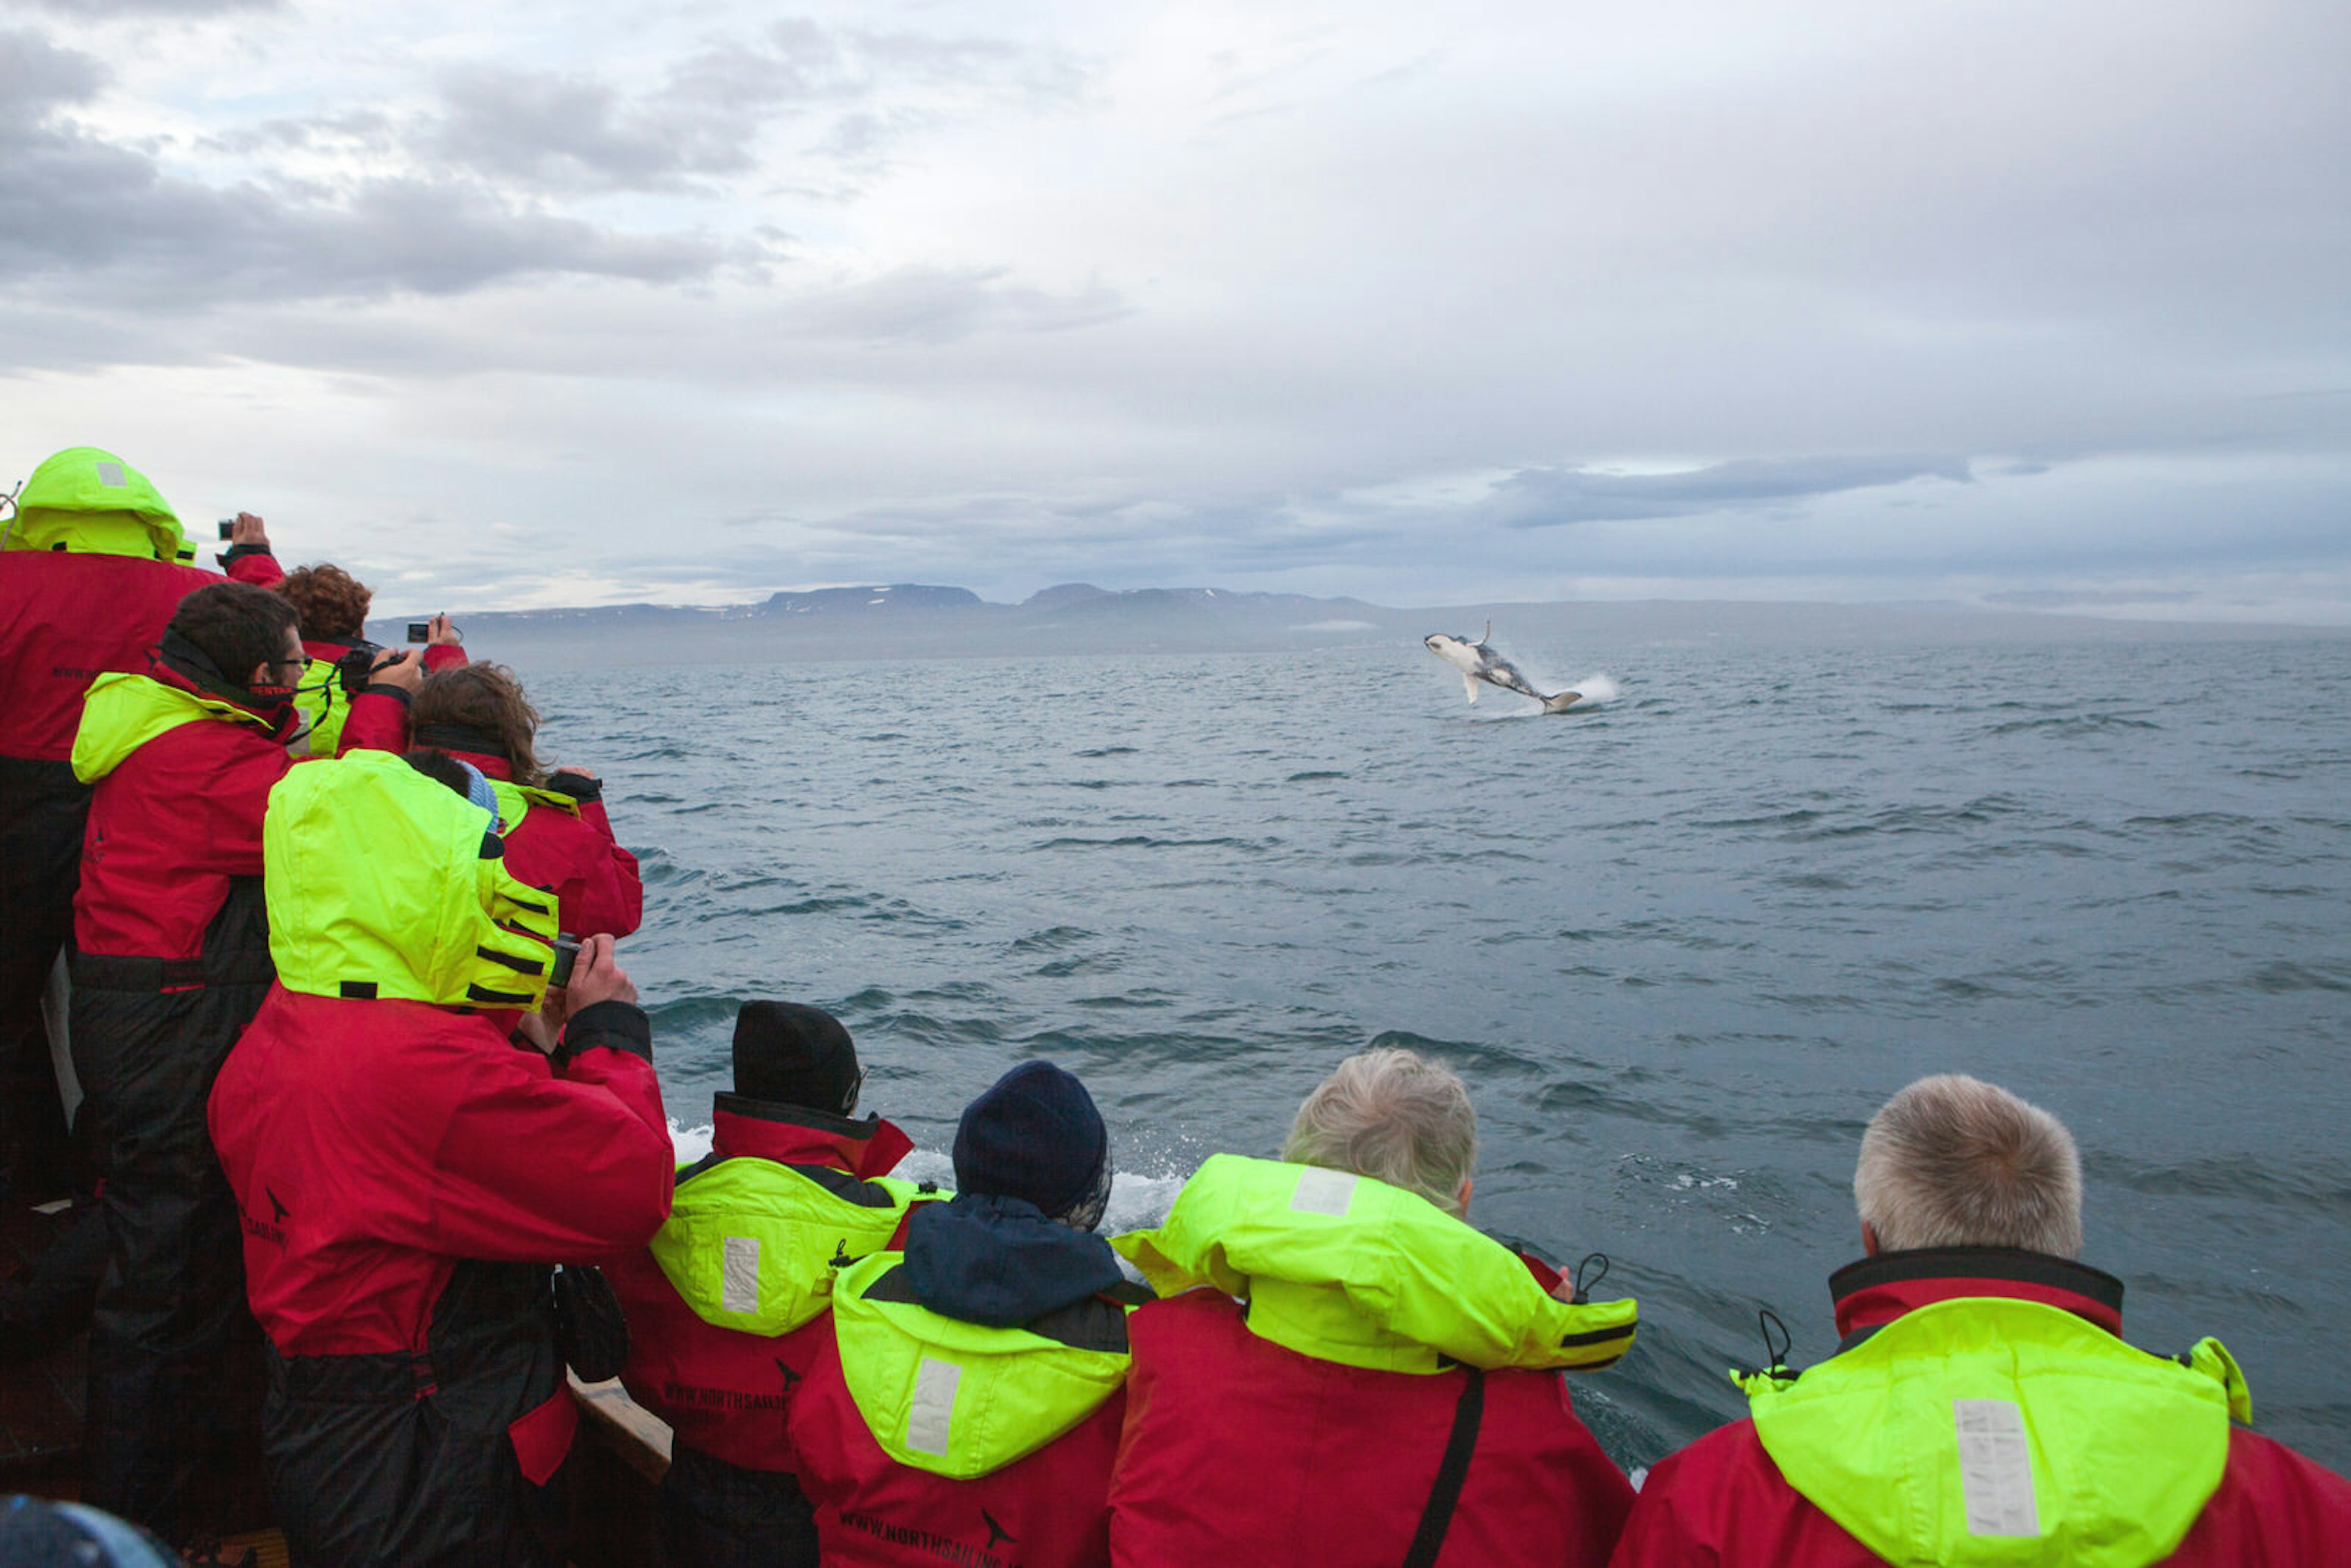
pixel 1342 1371
pixel 1982 1406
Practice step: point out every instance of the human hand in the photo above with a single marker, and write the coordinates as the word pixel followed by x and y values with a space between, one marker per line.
pixel 445 633
pixel 403 668
pixel 597 977
pixel 247 530
pixel 538 1029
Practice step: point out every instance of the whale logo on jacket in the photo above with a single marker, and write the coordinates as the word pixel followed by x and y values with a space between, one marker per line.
pixel 1477 662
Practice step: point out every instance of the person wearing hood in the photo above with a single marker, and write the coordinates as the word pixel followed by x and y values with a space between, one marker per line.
pixel 90 571
pixel 1342 1372
pixel 416 1130
pixel 170 959
pixel 1982 1406
pixel 729 1306
pixel 968 1405
pixel 333 607
pixel 557 833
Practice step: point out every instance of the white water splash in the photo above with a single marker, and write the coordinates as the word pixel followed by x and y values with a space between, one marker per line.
pixel 692 1143
pixel 1596 689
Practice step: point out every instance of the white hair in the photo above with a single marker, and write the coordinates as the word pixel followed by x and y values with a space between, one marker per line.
pixel 1952 1161
pixel 1393 1115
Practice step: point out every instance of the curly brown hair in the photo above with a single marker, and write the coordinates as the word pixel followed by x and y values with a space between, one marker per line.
pixel 487 699
pixel 330 602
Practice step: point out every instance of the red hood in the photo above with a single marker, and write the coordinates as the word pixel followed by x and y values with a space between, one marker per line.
pixel 1876 1290
pixel 796 1135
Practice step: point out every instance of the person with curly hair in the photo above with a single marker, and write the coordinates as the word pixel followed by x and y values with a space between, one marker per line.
pixel 331 606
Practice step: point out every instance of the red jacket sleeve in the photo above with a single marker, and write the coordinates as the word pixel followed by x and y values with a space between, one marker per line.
pixel 444 656
pixel 538 1164
pixel 378 721
pixel 253 564
pixel 616 901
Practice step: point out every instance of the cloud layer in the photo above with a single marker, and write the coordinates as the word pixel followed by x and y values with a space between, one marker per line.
pixel 1505 302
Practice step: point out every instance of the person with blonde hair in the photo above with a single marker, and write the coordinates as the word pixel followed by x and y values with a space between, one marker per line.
pixel 1982 1406
pixel 1342 1372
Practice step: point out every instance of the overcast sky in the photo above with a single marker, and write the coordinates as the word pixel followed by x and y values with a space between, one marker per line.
pixel 508 302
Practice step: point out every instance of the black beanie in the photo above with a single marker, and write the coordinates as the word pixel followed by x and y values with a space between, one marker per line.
pixel 1034 1135
pixel 794 1055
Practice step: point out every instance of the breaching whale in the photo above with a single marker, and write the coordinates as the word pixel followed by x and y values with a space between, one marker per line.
pixel 1478 663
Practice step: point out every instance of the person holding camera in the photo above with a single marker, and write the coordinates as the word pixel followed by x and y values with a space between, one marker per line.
pixel 416 1129
pixel 90 574
pixel 333 606
pixel 557 834
pixel 170 959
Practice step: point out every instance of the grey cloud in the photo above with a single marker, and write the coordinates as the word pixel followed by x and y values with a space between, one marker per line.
pixel 581 133
pixel 92 219
pixel 940 305
pixel 1547 497
pixel 564 133
pixel 40 75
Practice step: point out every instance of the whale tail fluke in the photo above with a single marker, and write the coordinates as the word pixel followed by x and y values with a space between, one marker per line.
pixel 1562 702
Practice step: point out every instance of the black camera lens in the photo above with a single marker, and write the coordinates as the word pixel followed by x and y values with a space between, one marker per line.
pixel 567 953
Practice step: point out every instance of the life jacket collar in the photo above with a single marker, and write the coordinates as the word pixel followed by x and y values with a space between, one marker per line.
pixel 124 712
pixel 178 662
pixel 1873 1291
pixel 2004 1429
pixel 1346 1269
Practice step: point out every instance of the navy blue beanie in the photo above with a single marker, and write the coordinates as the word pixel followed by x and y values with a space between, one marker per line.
pixel 1034 1135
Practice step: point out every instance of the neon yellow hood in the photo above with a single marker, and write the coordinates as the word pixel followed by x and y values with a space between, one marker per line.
pixel 124 713
pixel 954 1398
pixel 92 501
pixel 379 886
pixel 1346 1269
pixel 756 1246
pixel 1994 1431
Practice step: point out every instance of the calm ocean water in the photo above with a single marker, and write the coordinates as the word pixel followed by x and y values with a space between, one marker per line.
pixel 1681 947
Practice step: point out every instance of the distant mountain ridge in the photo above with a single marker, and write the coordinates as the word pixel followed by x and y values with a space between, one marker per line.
pixel 915 620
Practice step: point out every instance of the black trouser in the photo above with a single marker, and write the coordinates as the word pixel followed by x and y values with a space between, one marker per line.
pixel 394 1461
pixel 171 1381
pixel 717 1515
pixel 43 808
